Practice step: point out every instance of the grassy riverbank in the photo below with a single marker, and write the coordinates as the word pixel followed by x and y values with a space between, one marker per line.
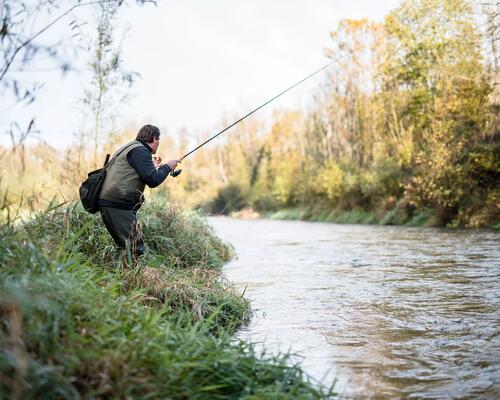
pixel 78 320
pixel 391 217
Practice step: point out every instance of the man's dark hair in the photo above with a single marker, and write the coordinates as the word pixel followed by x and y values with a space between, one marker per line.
pixel 147 133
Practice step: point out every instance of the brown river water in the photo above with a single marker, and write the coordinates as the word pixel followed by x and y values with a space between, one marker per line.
pixel 386 312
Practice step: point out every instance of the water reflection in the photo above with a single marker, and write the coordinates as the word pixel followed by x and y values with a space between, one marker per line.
pixel 388 311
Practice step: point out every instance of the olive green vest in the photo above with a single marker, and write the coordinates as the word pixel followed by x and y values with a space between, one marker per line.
pixel 122 183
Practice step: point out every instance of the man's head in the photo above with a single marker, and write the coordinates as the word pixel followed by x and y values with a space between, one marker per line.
pixel 151 135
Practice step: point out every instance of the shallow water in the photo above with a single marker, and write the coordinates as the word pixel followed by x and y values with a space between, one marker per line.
pixel 387 312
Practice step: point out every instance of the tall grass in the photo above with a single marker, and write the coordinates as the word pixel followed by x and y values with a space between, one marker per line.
pixel 394 216
pixel 321 215
pixel 80 320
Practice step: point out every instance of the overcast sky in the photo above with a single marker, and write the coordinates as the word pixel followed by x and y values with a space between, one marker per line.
pixel 199 59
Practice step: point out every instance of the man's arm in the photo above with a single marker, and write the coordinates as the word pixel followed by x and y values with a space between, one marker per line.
pixel 140 158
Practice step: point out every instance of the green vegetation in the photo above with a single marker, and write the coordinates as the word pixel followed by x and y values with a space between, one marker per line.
pixel 78 320
pixel 319 215
pixel 403 131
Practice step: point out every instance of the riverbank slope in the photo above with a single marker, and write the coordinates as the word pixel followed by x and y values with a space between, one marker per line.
pixel 77 320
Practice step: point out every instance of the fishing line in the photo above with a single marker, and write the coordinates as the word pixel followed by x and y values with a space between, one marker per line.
pixel 175 173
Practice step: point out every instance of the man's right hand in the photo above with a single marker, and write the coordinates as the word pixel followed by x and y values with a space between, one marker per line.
pixel 172 164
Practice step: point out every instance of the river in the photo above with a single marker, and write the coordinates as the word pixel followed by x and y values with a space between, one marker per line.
pixel 386 312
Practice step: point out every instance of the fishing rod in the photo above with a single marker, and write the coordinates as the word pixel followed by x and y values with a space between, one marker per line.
pixel 176 173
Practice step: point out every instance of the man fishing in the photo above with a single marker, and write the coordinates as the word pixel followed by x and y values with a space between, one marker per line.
pixel 130 170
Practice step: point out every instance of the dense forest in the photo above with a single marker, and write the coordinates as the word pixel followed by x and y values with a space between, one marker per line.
pixel 403 129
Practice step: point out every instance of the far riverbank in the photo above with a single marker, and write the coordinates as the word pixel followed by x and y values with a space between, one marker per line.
pixel 424 218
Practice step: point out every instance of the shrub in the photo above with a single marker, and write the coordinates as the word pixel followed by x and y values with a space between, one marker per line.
pixel 230 198
pixel 330 181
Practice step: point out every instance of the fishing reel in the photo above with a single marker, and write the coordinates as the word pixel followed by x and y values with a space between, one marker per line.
pixel 175 174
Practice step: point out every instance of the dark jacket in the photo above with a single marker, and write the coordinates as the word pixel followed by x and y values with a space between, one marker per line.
pixel 127 175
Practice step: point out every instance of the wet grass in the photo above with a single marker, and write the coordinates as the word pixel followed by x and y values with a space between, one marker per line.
pixel 423 218
pixel 291 214
pixel 341 217
pixel 495 225
pixel 395 216
pixel 78 320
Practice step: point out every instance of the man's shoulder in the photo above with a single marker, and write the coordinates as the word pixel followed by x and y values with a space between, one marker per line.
pixel 138 149
pixel 134 145
pixel 126 148
pixel 139 156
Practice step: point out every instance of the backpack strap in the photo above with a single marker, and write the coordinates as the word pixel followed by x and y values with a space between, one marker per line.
pixel 107 164
pixel 106 160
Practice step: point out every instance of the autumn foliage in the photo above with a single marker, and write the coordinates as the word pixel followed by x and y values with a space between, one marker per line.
pixel 404 129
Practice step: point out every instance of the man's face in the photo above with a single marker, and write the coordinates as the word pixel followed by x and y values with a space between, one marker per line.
pixel 154 145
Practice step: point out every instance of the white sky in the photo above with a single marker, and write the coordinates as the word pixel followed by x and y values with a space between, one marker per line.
pixel 200 59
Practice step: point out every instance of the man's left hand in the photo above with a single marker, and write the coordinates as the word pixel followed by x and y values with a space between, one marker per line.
pixel 157 161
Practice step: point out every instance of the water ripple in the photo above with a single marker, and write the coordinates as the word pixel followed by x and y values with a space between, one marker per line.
pixel 390 312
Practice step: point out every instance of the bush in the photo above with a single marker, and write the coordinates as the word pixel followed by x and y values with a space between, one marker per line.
pixel 230 198
pixel 329 181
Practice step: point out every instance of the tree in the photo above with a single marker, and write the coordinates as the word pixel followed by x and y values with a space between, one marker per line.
pixel 434 81
pixel 345 121
pixel 24 48
pixel 110 82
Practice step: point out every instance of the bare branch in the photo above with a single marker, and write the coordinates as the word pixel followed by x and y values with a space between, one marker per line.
pixel 28 41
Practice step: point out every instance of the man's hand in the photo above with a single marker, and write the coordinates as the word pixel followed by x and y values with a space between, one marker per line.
pixel 172 164
pixel 157 161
